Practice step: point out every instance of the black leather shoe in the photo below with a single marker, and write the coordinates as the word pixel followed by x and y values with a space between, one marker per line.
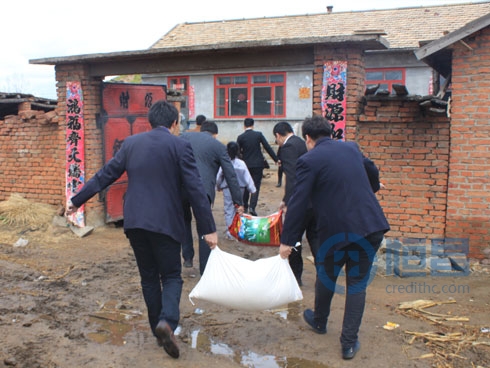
pixel 188 263
pixel 252 212
pixel 166 338
pixel 309 317
pixel 349 353
pixel 278 185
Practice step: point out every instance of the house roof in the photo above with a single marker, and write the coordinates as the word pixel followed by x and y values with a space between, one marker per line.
pixel 9 103
pixel 437 54
pixel 404 27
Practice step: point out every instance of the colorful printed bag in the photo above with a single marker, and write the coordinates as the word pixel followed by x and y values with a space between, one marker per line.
pixel 257 230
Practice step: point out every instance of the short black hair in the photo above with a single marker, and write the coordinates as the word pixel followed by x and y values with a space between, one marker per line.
pixel 162 113
pixel 316 127
pixel 232 148
pixel 209 126
pixel 248 122
pixel 282 128
pixel 200 119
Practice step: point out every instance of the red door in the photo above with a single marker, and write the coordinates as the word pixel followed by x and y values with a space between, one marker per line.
pixel 124 113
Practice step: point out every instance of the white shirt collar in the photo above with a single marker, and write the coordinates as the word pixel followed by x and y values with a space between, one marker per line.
pixel 287 139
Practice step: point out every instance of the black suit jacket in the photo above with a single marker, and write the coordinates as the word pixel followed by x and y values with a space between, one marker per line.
pixel 290 152
pixel 373 174
pixel 158 165
pixel 210 154
pixel 250 142
pixel 333 177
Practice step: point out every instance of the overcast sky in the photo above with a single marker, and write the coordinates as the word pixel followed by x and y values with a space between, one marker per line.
pixel 43 29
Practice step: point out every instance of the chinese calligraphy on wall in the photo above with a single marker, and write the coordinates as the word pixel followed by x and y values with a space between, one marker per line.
pixel 334 96
pixel 75 155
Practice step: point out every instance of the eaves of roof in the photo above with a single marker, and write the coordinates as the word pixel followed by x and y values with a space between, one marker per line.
pixel 363 41
pixel 437 53
pixel 455 36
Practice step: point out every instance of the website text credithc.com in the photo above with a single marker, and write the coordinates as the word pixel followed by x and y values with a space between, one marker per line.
pixel 426 288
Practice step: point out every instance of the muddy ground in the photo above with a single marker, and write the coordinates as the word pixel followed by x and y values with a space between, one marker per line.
pixel 76 302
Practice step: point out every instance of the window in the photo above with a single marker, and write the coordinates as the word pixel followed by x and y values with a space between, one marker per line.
pixel 257 95
pixel 180 84
pixel 385 77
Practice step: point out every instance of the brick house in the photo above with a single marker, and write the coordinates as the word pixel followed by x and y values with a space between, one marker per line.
pixel 464 56
pixel 214 92
pixel 425 158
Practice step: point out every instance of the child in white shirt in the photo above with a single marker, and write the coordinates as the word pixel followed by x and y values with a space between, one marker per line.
pixel 244 180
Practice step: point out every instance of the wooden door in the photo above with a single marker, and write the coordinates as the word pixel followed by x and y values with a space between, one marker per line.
pixel 124 113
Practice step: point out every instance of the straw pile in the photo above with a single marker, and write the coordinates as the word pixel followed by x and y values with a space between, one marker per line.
pixel 447 342
pixel 18 211
pixel 417 308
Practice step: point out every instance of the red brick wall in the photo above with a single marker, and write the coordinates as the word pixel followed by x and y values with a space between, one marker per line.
pixel 31 156
pixel 468 212
pixel 411 150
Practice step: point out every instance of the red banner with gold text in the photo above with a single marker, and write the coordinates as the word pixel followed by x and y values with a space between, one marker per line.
pixel 75 153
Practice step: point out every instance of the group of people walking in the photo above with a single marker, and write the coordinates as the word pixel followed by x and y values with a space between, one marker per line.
pixel 328 196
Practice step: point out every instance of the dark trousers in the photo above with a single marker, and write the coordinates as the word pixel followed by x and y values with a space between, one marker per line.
pixel 296 258
pixel 158 259
pixel 204 252
pixel 188 243
pixel 280 172
pixel 358 262
pixel 256 174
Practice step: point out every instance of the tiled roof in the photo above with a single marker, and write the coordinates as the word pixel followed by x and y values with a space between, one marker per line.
pixel 9 103
pixel 404 27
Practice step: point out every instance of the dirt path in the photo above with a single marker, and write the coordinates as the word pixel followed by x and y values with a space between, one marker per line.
pixel 71 302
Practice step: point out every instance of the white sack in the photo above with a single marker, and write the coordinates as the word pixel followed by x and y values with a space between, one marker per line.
pixel 240 283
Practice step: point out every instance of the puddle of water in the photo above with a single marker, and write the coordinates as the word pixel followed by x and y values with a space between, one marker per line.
pixel 295 311
pixel 283 314
pixel 109 331
pixel 249 359
pixel 291 311
pixel 303 363
pixel 221 349
pixel 112 324
pixel 261 361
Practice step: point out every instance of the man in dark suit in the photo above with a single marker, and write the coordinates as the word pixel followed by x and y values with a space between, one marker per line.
pixel 200 119
pixel 292 147
pixel 280 171
pixel 158 165
pixel 250 143
pixel 350 224
pixel 187 245
pixel 210 154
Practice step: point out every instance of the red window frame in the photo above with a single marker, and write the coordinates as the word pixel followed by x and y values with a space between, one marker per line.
pixel 246 90
pixel 385 82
